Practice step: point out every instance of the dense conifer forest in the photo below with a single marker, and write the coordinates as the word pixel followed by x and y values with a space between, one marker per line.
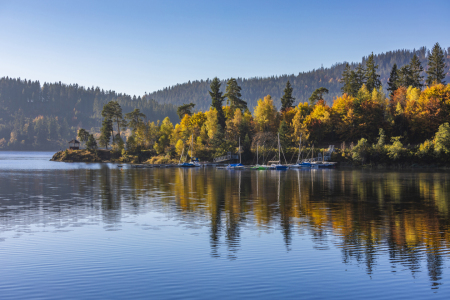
pixel 303 83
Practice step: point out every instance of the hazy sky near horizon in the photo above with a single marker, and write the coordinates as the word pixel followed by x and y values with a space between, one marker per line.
pixel 142 46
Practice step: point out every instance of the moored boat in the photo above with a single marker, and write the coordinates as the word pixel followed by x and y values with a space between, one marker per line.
pixel 235 166
pixel 186 165
pixel 277 165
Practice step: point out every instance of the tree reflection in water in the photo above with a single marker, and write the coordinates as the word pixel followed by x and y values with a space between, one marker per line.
pixel 364 213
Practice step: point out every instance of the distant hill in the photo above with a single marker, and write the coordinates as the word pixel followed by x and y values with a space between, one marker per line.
pixel 304 83
pixel 35 116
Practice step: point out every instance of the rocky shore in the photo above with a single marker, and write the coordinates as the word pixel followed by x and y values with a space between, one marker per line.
pixel 82 156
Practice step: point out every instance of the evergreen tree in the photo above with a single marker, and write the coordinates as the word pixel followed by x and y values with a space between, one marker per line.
pixel 416 70
pixel 218 142
pixel 105 133
pixel 346 79
pixel 354 85
pixel 185 109
pixel 135 118
pixel 393 80
pixel 352 80
pixel 283 130
pixel 436 66
pixel 360 78
pixel 131 143
pixel 233 95
pixel 372 78
pixel 112 111
pixel 287 100
pixel 318 95
pixel 404 76
pixel 217 100
pixel 91 143
pixel 246 148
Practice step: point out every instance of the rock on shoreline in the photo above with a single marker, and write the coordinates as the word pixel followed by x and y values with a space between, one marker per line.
pixel 82 156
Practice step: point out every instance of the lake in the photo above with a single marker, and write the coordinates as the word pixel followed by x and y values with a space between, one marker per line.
pixel 96 231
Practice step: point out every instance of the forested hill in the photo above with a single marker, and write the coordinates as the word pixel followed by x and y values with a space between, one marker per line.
pixel 303 83
pixel 35 116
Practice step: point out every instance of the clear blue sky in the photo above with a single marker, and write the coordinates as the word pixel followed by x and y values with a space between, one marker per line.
pixel 142 46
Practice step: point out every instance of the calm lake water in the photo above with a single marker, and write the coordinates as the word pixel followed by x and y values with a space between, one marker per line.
pixel 95 231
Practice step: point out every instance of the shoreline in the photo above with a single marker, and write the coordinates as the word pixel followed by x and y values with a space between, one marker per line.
pixel 108 156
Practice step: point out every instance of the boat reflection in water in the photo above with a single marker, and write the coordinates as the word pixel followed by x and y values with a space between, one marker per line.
pixel 402 216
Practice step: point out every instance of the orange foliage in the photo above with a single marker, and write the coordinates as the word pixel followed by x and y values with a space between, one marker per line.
pixel 431 110
pixel 319 122
pixel 355 120
pixel 399 97
pixel 288 114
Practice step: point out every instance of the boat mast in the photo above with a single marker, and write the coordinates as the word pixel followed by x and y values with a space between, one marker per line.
pixel 279 156
pixel 240 150
pixel 182 152
pixel 299 148
pixel 192 146
pixel 257 153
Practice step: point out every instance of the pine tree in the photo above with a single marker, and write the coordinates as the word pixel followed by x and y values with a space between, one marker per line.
pixel 360 78
pixel 217 100
pixel 354 85
pixel 105 133
pixel 112 111
pixel 91 143
pixel 185 109
pixel 135 118
pixel 372 78
pixel 393 80
pixel 436 66
pixel 347 87
pixel 404 76
pixel 233 95
pixel 318 95
pixel 416 70
pixel 287 100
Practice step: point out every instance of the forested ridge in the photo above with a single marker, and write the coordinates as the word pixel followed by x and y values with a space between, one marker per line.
pixel 35 116
pixel 303 83
pixel 45 116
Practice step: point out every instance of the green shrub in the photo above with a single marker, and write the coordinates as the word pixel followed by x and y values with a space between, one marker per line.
pixel 395 151
pixel 361 151
pixel 442 140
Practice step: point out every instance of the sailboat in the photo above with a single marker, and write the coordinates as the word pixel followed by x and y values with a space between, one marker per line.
pixel 258 166
pixel 186 164
pixel 302 164
pixel 277 165
pixel 239 165
pixel 194 160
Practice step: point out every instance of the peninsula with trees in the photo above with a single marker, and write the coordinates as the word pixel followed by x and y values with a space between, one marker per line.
pixel 408 124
